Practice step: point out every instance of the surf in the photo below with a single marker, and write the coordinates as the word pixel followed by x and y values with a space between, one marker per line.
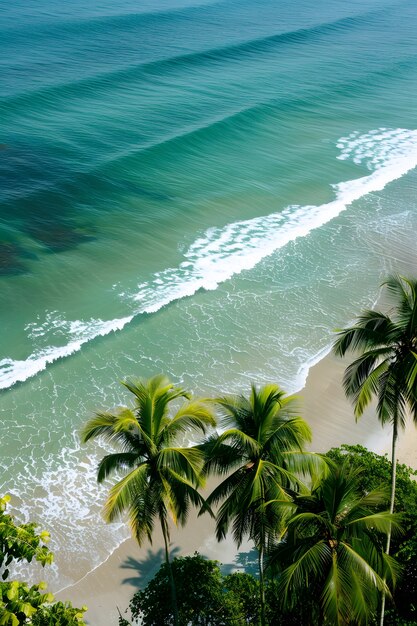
pixel 220 253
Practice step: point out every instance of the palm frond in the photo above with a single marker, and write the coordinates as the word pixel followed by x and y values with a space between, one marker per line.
pixel 193 415
pixel 362 565
pixel 228 485
pixel 124 492
pixel 309 566
pixel 375 499
pixel 185 461
pixel 391 404
pixel 309 519
pixel 110 426
pixel 281 477
pixel 383 522
pixel 234 412
pixel 220 458
pixel 334 608
pixel 116 462
pixel 392 569
pixel 372 330
pixel 362 603
pixel 289 434
pixel 180 494
pixel 240 441
pixel 142 513
pixel 309 464
pixel 402 296
pixel 362 376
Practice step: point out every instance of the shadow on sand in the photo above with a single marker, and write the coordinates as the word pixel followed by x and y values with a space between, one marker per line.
pixel 244 562
pixel 146 568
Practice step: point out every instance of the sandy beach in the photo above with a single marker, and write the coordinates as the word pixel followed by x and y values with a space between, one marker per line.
pixel 330 415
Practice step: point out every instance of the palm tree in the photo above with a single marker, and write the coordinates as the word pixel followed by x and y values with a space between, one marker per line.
pixel 161 478
pixel 386 366
pixel 332 558
pixel 262 453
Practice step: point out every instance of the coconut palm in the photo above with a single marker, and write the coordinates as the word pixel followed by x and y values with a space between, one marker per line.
pixel 161 478
pixel 386 367
pixel 332 557
pixel 262 453
pixel 387 363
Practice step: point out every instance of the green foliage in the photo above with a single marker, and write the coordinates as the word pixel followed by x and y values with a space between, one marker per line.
pixel 160 477
pixel 386 367
pixel 20 542
pixel 59 614
pixel 207 598
pixel 377 471
pixel 262 452
pixel 20 603
pixel 202 599
pixel 333 550
pixel 244 589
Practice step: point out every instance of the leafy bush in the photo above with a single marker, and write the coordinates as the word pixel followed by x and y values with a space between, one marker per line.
pixel 201 596
pixel 20 603
pixel 206 598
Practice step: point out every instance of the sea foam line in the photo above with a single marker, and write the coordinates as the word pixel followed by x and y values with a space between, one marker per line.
pixel 224 252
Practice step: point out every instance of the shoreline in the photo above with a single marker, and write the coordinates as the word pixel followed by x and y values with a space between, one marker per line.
pixel 324 406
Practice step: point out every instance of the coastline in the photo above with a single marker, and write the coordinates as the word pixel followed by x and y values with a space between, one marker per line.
pixel 330 415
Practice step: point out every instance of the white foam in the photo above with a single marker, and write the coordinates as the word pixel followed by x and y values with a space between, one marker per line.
pixel 59 496
pixel 12 371
pixel 223 252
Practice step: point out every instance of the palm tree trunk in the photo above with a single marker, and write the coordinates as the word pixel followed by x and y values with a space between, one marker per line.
pixel 392 500
pixel 165 533
pixel 262 579
pixel 393 474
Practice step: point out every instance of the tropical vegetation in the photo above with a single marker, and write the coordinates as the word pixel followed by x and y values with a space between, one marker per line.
pixel 161 477
pixel 21 603
pixel 377 472
pixel 206 597
pixel 311 521
pixel 332 550
pixel 262 453
pixel 386 364
pixel 353 485
pixel 329 548
pixel 202 596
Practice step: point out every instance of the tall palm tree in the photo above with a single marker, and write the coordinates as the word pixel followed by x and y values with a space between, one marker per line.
pixel 161 478
pixel 331 557
pixel 262 453
pixel 386 366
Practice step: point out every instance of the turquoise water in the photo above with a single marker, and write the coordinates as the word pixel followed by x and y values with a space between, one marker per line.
pixel 201 188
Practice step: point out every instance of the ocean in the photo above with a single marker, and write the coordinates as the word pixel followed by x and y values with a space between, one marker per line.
pixel 202 188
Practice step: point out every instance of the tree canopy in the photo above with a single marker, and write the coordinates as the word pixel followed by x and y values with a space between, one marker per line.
pixel 21 603
pixel 332 549
pixel 262 452
pixel 160 477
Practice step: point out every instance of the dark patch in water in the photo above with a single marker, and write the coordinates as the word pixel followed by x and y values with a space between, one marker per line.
pixel 58 237
pixel 10 255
